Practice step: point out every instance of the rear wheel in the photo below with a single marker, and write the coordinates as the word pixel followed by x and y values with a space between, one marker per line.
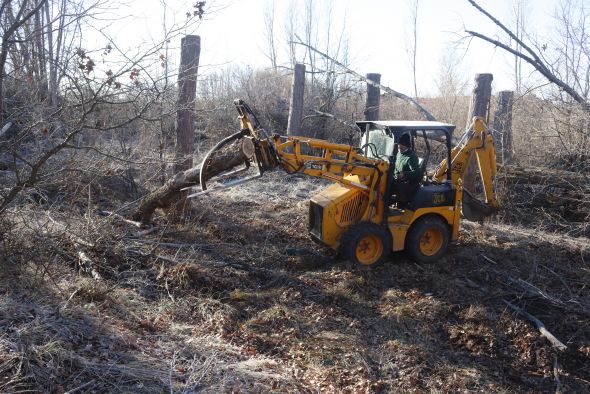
pixel 428 239
pixel 366 244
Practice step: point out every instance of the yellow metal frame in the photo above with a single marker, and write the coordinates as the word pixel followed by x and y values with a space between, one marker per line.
pixel 338 163
pixel 355 174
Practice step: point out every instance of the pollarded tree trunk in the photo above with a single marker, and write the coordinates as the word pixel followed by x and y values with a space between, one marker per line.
pixel 479 106
pixel 503 126
pixel 187 86
pixel 296 108
pixel 373 97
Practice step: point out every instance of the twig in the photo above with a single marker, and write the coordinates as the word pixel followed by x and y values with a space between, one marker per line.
pixel 87 263
pixel 215 264
pixel 79 388
pixel 327 115
pixel 569 290
pixel 168 291
pixel 556 375
pixel 540 326
pixel 205 247
pixel 486 258
pixel 167 259
pixel 392 92
pixel 123 219
pixel 65 305
pixel 474 285
pixel 72 237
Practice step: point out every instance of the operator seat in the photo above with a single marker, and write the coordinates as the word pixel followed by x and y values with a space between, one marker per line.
pixel 406 198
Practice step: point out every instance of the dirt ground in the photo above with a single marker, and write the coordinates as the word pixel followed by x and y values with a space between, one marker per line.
pixel 237 298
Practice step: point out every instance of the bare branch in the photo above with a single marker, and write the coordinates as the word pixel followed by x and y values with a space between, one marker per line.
pixel 392 92
pixel 532 58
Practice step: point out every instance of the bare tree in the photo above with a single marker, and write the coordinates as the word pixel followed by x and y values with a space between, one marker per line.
pixel 556 70
pixel 269 34
pixel 520 16
pixel 13 16
pixel 412 47
pixel 87 100
pixel 451 83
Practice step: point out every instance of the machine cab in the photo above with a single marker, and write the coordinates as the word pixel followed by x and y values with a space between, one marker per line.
pixel 379 139
pixel 432 143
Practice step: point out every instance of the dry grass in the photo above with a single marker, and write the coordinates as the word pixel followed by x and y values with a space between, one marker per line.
pixel 230 309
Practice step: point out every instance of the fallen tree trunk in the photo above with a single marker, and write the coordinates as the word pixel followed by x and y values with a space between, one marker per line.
pixel 566 192
pixel 169 193
pixel 544 176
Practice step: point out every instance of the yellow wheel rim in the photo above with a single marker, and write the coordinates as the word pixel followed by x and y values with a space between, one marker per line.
pixel 369 249
pixel 431 242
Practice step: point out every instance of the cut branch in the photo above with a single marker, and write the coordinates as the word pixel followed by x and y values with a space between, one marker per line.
pixel 532 58
pixel 386 89
pixel 540 326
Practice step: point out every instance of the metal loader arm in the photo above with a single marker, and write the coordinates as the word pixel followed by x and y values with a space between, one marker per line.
pixel 339 163
pixel 310 156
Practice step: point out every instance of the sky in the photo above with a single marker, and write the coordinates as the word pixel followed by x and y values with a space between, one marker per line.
pixel 378 34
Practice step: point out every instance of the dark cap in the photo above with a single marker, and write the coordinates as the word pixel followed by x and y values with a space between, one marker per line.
pixel 404 140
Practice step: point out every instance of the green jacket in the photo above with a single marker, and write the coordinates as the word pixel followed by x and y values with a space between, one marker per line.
pixel 407 162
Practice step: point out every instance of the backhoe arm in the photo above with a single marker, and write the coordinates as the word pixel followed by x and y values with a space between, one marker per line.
pixel 320 158
pixel 479 141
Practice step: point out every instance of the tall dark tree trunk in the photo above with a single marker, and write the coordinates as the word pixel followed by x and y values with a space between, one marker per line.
pixel 296 107
pixel 503 127
pixel 373 97
pixel 187 87
pixel 479 106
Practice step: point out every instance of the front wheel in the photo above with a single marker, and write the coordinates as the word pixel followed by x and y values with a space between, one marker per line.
pixel 366 244
pixel 428 239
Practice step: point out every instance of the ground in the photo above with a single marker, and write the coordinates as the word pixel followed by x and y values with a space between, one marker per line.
pixel 237 298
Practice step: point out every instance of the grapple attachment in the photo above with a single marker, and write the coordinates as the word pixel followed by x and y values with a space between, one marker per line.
pixel 248 154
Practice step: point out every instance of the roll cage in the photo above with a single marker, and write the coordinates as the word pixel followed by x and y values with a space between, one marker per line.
pixel 379 138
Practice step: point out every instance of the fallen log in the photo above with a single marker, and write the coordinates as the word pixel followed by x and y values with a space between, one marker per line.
pixel 564 192
pixel 544 176
pixel 573 304
pixel 170 192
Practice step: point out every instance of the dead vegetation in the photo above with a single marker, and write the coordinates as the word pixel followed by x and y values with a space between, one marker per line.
pixel 237 299
pixel 103 290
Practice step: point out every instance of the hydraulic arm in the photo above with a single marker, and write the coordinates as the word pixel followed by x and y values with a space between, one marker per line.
pixel 479 141
pixel 362 213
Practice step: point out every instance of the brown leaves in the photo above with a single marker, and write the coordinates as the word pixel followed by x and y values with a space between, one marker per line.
pixel 134 76
pixel 199 10
pixel 85 63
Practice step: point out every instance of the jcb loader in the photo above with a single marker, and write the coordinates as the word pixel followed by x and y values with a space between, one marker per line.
pixel 359 215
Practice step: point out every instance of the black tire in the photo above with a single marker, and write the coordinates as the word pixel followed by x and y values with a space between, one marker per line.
pixel 428 239
pixel 366 244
